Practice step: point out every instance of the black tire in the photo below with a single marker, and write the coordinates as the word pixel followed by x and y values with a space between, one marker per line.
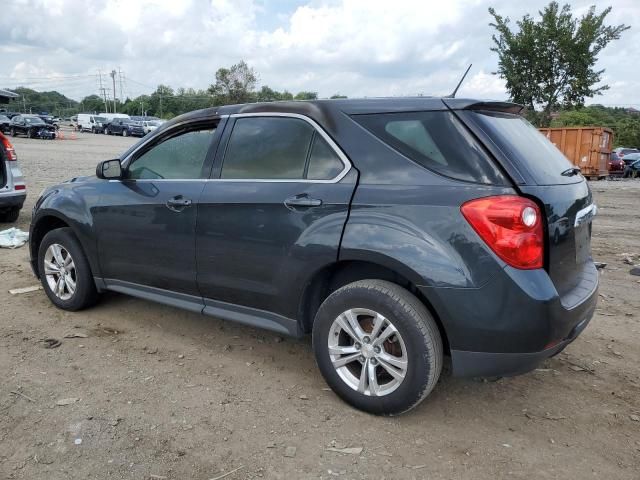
pixel 108 132
pixel 10 216
pixel 13 132
pixel 413 322
pixel 85 294
pixel 93 130
pixel 125 133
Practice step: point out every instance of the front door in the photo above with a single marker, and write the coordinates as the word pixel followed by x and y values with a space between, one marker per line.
pixel 273 214
pixel 146 222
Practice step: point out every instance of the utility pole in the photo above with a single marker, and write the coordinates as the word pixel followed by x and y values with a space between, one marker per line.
pixel 113 77
pixel 24 104
pixel 103 92
pixel 120 80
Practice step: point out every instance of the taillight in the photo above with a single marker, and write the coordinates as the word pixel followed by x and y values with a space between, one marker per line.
pixel 6 144
pixel 511 226
pixel 19 187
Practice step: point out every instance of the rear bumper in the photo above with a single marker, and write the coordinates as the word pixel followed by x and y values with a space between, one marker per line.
pixel 486 364
pixel 12 201
pixel 512 323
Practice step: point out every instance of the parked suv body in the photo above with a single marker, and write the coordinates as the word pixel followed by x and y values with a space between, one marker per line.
pixel 393 230
pixel 124 127
pixel 13 190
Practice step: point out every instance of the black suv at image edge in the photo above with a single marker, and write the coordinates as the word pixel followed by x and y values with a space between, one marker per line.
pixel 394 231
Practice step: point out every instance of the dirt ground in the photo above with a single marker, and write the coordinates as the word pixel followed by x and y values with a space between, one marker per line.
pixel 163 393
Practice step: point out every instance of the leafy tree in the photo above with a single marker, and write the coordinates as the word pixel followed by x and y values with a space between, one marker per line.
pixel 234 85
pixel 625 123
pixel 551 62
pixel 92 103
pixel 337 95
pixel 306 96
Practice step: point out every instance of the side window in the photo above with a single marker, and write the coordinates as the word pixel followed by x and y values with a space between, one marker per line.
pixel 267 148
pixel 324 163
pixel 179 157
pixel 437 141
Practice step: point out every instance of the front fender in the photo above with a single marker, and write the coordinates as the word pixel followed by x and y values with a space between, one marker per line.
pixel 71 206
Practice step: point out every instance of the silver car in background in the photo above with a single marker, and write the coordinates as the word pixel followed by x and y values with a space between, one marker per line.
pixel 13 190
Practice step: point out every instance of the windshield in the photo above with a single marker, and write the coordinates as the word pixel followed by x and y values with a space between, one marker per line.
pixel 523 143
pixel 3 118
pixel 99 119
pixel 34 120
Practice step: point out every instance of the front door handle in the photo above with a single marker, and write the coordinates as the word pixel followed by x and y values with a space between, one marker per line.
pixel 178 203
pixel 302 200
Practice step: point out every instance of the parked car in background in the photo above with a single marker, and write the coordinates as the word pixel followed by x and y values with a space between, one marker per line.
pixel 630 158
pixel 125 127
pixel 32 126
pixel 616 165
pixel 99 125
pixel 49 120
pixel 13 190
pixel 632 170
pixel 150 125
pixel 620 152
pixel 5 122
pixel 395 231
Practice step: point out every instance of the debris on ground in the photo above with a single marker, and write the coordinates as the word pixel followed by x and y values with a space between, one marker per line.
pixel 13 238
pixel 290 452
pixel 600 265
pixel 66 401
pixel 635 271
pixel 76 335
pixel 220 477
pixel 51 343
pixel 20 394
pixel 18 291
pixel 635 418
pixel 348 451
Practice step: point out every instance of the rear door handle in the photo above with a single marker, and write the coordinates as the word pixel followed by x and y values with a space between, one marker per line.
pixel 302 200
pixel 178 203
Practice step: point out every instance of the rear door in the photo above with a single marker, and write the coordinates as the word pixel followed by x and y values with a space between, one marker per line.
pixel 273 213
pixel 547 175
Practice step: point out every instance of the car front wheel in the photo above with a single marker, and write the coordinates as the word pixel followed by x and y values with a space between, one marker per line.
pixel 65 272
pixel 377 346
pixel 125 133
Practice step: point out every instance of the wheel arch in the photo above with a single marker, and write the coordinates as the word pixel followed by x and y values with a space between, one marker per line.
pixel 336 275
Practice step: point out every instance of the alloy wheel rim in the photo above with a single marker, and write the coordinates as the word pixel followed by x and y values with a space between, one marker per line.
pixel 60 271
pixel 367 352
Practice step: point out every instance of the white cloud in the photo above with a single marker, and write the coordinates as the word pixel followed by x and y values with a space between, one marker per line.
pixel 357 48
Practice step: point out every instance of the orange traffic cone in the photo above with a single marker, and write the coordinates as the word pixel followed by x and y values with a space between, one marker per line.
pixel 60 135
pixel 73 135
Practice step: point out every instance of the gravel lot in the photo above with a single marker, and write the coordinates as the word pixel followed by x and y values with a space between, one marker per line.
pixel 163 393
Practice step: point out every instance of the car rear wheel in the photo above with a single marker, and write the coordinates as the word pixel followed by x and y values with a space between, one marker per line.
pixel 125 133
pixel 10 215
pixel 64 271
pixel 377 346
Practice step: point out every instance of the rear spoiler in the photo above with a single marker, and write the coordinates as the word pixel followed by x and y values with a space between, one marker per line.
pixel 492 106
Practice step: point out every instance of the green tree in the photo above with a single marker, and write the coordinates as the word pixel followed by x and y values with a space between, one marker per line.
pixel 93 103
pixel 550 62
pixel 235 84
pixel 306 96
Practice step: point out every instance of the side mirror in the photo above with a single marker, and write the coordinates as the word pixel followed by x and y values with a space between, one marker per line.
pixel 109 170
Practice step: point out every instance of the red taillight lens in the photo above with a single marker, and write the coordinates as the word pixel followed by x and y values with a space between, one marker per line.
pixel 511 226
pixel 20 187
pixel 6 144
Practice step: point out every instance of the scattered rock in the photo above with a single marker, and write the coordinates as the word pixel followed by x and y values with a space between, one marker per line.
pixel 576 368
pixel 66 401
pixel 180 356
pixel 635 271
pixel 151 351
pixel 290 452
pixel 78 441
pixel 600 265
pixel 635 418
pixel 304 397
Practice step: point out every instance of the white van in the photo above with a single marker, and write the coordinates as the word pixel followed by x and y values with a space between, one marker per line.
pixel 85 122
pixel 111 116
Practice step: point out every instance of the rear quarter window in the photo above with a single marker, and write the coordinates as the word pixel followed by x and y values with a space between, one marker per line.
pixel 437 141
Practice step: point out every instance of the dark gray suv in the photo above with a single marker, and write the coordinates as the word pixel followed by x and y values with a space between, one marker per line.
pixel 395 231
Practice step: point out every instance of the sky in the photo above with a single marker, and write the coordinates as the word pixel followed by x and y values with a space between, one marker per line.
pixel 355 48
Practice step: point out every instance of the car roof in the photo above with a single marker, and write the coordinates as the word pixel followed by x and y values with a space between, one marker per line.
pixel 323 110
